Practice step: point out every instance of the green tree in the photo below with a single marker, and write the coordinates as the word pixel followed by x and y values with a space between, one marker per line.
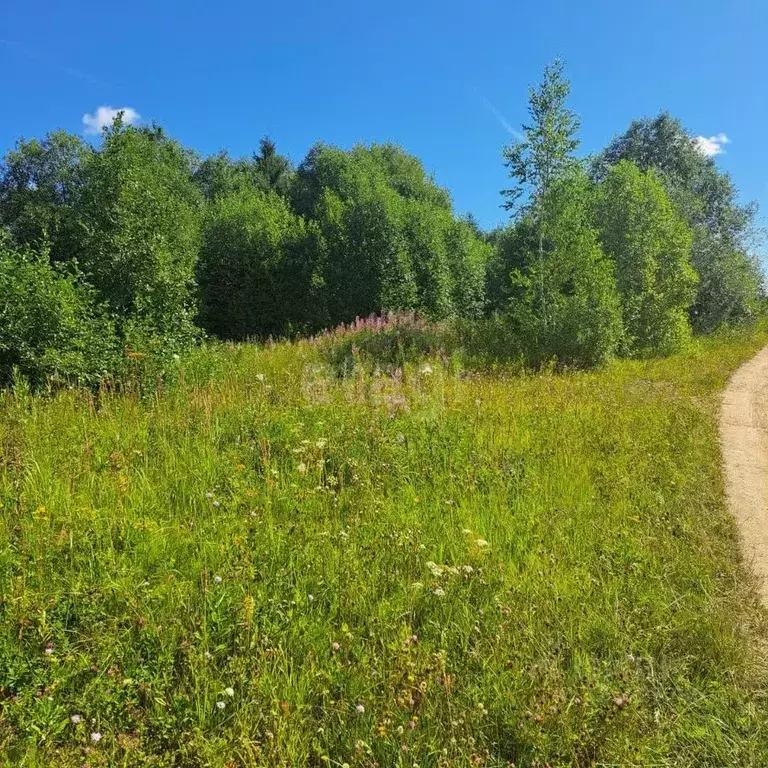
pixel 259 268
pixel 390 234
pixel 219 175
pixel 274 170
pixel 541 157
pixel 51 326
pixel 583 325
pixel 650 244
pixel 40 186
pixel 729 288
pixel 139 215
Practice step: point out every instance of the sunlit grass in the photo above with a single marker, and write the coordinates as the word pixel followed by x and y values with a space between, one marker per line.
pixel 269 565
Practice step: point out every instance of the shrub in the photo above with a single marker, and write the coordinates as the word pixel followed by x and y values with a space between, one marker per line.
pixel 258 268
pixel 51 327
pixel 568 306
pixel 650 245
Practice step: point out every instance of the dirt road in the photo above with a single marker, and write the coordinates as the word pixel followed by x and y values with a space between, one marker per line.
pixel 744 440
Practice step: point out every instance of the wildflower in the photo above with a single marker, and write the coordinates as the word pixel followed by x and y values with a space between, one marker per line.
pixel 76 718
pixel 96 736
pixel 49 650
pixel 426 369
pixel 217 503
pixel 481 543
pixel 467 569
pixel 360 709
pixel 209 495
pixel 207 654
pixel 217 579
pixel 434 569
pixel 411 724
pixel 259 377
pixel 335 647
pixel 302 468
pixel 466 531
pixel 439 591
pixel 229 691
pixel 221 704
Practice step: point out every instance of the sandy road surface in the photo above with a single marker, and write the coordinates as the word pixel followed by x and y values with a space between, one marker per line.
pixel 744 440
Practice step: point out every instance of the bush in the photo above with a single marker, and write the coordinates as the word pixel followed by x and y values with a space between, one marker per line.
pixel 257 270
pixel 650 245
pixel 568 307
pixel 50 325
pixel 140 217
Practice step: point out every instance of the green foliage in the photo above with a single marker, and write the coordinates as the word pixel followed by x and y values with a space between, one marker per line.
pixel 533 569
pixel 51 328
pixel 258 270
pixel 219 175
pixel 562 299
pixel 547 150
pixel 567 307
pixel 40 185
pixel 512 247
pixel 730 285
pixel 140 218
pixel 650 245
pixel 392 242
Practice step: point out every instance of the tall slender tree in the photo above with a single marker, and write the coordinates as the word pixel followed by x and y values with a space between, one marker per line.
pixel 543 154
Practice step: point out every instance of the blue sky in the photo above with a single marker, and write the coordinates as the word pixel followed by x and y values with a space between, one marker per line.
pixel 440 78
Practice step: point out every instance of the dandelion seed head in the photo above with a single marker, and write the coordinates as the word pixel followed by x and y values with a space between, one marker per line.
pixel 76 718
pixel 217 579
pixel 360 709
pixel 96 736
pixel 221 704
pixel 229 691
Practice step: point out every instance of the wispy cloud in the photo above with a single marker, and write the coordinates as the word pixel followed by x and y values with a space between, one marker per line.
pixel 502 120
pixel 714 145
pixel 52 63
pixel 103 116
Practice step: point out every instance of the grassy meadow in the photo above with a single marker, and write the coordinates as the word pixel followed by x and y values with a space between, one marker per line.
pixel 267 564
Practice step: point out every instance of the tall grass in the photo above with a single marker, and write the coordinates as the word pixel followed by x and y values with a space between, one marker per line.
pixel 272 565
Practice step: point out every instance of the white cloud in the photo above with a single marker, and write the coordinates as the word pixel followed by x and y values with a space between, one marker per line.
pixel 713 145
pixel 103 116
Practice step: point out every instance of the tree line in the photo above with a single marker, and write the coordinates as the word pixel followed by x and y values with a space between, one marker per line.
pixel 140 247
